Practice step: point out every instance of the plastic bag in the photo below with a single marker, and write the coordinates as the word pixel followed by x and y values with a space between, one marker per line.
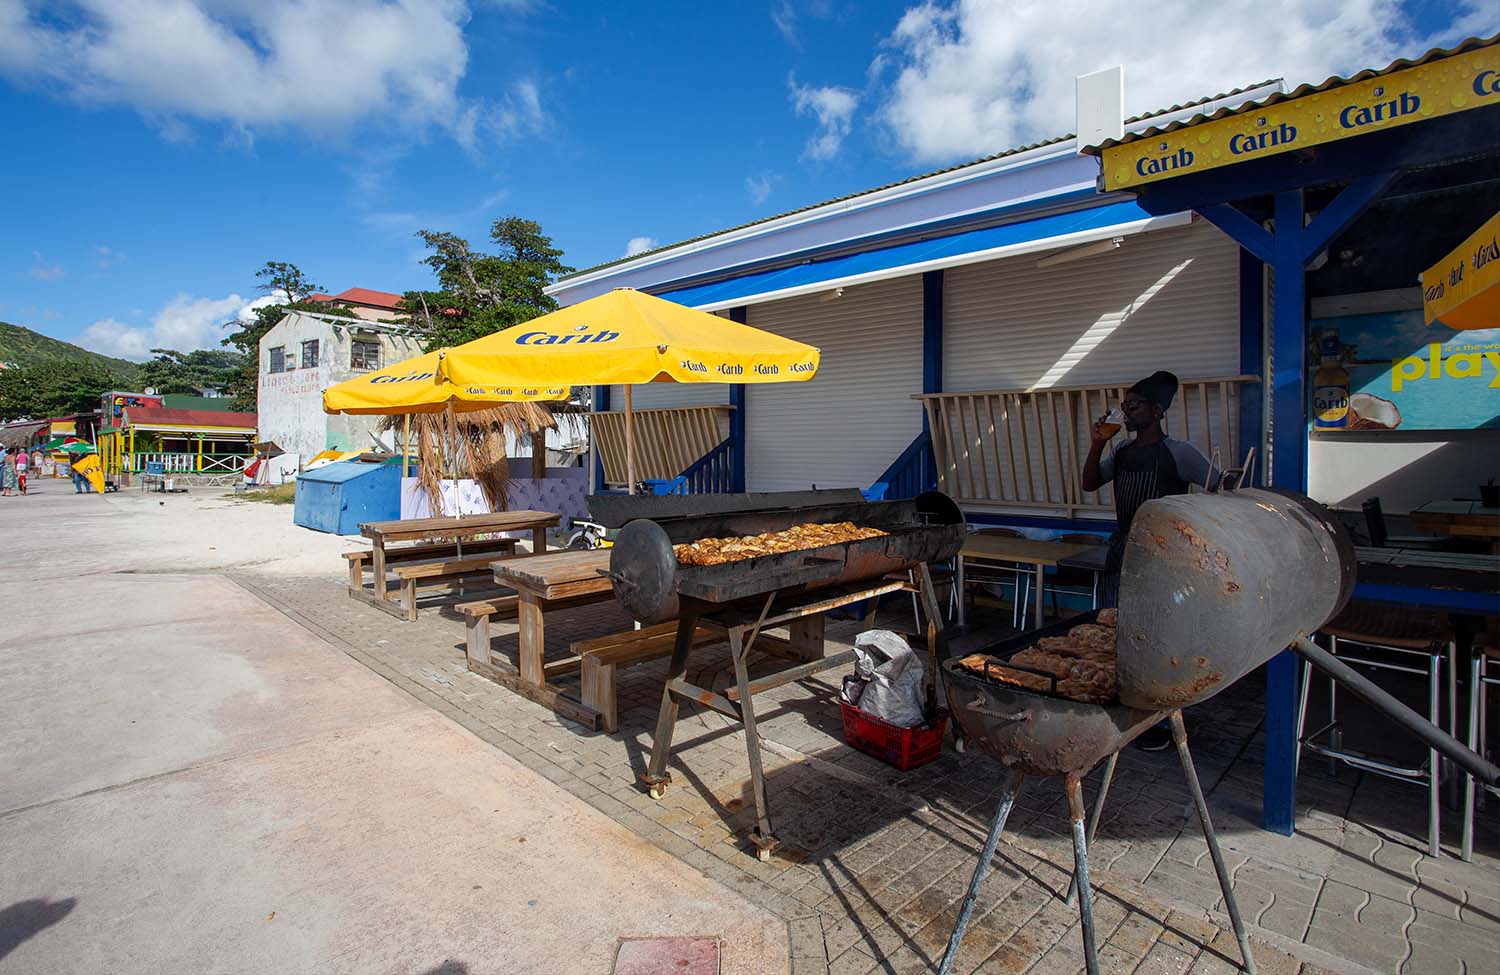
pixel 894 676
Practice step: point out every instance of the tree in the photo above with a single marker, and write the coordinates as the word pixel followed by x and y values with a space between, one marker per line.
pixel 287 282
pixel 187 372
pixel 53 388
pixel 483 293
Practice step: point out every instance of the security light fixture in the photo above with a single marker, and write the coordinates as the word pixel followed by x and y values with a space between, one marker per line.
pixel 1079 253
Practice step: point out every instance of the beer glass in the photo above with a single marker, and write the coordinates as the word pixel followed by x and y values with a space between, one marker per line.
pixel 1112 423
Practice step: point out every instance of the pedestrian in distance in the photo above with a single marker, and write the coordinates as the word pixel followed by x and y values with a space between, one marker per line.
pixel 23 462
pixel 8 474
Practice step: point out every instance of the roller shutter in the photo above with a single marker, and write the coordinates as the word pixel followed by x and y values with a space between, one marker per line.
pixel 1163 300
pixel 844 427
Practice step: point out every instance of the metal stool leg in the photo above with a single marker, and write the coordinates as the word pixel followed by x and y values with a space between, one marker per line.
pixel 1179 736
pixel 1302 715
pixel 1434 761
pixel 1476 688
pixel 1335 733
pixel 997 826
pixel 1081 875
pixel 1109 776
pixel 1448 767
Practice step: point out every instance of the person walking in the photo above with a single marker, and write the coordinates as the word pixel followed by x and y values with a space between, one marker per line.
pixel 8 474
pixel 23 462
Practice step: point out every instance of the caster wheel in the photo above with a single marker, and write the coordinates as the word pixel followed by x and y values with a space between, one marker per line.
pixel 764 856
pixel 658 790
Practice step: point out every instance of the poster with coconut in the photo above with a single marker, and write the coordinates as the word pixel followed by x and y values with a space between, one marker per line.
pixel 1391 371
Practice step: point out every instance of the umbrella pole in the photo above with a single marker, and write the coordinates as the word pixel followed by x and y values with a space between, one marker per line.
pixel 406 448
pixel 629 443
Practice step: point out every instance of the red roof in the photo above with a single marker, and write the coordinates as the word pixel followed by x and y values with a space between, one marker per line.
pixel 164 416
pixel 365 296
pixel 320 296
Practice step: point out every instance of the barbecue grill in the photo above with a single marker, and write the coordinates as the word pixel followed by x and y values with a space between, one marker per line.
pixel 1212 586
pixel 743 598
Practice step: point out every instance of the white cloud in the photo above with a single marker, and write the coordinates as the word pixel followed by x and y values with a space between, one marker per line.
pixel 107 257
pixel 760 185
pixel 978 76
pixel 833 107
pixel 43 271
pixel 318 65
pixel 184 323
pixel 784 16
pixel 639 245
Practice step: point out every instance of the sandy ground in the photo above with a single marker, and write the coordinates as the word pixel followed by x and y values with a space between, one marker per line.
pixel 191 782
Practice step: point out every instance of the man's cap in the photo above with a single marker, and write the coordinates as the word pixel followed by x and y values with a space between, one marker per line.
pixel 1159 388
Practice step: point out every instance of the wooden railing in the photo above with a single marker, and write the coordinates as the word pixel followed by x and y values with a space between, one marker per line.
pixel 667 441
pixel 909 474
pixel 1024 449
pixel 713 473
pixel 183 462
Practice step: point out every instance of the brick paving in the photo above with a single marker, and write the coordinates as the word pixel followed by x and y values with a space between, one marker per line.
pixel 875 860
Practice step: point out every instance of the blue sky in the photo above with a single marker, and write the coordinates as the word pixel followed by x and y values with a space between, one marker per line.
pixel 162 150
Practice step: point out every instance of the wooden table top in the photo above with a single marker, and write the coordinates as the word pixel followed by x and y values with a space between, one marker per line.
pixel 542 574
pixel 1003 548
pixel 1457 509
pixel 477 524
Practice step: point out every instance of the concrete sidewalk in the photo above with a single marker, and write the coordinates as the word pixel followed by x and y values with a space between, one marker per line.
pixel 192 783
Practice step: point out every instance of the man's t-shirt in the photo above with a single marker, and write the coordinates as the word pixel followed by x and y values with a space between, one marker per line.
pixel 21 462
pixel 1141 473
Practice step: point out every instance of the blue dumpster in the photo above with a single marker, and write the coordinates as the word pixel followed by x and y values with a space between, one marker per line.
pixel 338 497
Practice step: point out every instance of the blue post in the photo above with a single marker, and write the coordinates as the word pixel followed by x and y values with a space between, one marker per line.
pixel 932 334
pixel 737 419
pixel 1288 468
pixel 601 405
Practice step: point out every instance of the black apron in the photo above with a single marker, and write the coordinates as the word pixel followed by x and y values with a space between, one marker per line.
pixel 1143 472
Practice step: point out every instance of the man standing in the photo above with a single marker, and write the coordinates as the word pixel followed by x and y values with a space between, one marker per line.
pixel 1152 465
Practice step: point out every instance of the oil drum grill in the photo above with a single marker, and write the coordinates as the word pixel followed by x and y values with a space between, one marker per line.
pixel 743 598
pixel 1212 586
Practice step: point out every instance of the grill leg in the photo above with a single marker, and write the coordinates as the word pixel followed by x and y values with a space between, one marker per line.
pixel 934 635
pixel 656 777
pixel 1179 735
pixel 966 910
pixel 1074 788
pixel 764 840
pixel 1109 776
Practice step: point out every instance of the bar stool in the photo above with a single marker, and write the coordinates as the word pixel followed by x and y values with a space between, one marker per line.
pixel 1067 581
pixel 1486 653
pixel 1387 637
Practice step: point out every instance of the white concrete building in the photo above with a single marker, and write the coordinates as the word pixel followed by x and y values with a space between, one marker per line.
pixel 304 354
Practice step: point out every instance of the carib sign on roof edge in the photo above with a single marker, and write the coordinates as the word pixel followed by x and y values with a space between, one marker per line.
pixel 1424 91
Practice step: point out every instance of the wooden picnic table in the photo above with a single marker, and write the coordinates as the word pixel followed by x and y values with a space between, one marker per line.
pixel 1021 551
pixel 554 580
pixel 1467 519
pixel 382 533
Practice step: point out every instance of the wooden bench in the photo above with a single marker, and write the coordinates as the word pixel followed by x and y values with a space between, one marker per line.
pixel 601 655
pixel 478 613
pixel 360 559
pixel 438 574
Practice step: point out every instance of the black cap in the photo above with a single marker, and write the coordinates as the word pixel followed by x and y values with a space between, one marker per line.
pixel 1159 388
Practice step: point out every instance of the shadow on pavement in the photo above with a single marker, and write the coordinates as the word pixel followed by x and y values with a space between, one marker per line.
pixel 23 919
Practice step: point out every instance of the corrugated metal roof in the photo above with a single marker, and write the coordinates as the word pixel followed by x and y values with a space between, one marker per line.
pixel 1400 64
pixel 1017 150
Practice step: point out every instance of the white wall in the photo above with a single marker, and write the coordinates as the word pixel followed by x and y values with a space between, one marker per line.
pixel 290 404
pixel 1404 474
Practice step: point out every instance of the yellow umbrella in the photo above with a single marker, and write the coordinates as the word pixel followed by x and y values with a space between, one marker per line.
pixel 1463 289
pixel 624 337
pixel 414 386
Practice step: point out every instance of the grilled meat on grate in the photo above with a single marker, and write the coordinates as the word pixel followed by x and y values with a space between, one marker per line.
pixel 1082 664
pixel 715 551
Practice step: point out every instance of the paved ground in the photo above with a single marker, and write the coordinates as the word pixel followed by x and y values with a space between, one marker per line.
pixel 876 859
pixel 194 783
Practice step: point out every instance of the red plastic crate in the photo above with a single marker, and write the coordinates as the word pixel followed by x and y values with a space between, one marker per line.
pixel 905 748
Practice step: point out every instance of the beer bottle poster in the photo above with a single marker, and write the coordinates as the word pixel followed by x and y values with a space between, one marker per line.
pixel 1406 375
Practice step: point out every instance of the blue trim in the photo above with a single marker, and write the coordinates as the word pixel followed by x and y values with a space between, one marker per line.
pixel 1244 231
pixel 1102 526
pixel 1478 603
pixel 914 252
pixel 1343 210
pixel 1252 358
pixel 737 416
pixel 910 474
pixel 713 473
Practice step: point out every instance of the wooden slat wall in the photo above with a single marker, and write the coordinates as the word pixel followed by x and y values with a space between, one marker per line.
pixel 667 441
pixel 1024 449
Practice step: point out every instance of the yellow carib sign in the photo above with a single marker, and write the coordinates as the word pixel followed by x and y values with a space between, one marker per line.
pixel 1426 91
pixel 1463 289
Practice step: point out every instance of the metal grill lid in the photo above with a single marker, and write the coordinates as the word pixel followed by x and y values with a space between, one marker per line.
pixel 1214 585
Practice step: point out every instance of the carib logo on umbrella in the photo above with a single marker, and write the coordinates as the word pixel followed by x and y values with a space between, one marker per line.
pixel 579 336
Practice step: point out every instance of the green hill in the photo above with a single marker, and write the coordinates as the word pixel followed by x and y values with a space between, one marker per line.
pixel 22 347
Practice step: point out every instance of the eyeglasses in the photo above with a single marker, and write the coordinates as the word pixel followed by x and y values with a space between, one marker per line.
pixel 1132 405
